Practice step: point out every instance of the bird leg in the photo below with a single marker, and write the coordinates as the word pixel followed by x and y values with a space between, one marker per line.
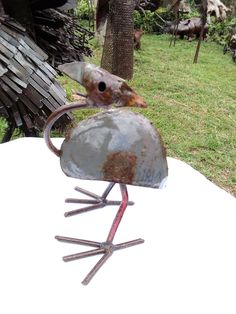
pixel 106 248
pixel 95 202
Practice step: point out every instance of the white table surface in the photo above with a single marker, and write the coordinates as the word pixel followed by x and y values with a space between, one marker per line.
pixel 186 265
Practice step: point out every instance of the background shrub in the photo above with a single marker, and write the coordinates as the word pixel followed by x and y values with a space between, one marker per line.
pixel 220 31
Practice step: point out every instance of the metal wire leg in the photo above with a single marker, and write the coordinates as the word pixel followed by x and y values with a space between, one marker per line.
pixel 95 202
pixel 106 248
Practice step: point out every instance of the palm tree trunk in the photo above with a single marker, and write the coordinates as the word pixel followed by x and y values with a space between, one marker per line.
pixel 119 39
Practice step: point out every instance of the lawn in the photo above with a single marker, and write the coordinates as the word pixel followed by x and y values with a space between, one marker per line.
pixel 192 105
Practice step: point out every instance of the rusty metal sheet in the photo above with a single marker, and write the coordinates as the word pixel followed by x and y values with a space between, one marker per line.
pixel 117 146
pixel 11 84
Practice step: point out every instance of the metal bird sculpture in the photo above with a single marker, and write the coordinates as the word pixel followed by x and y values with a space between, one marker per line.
pixel 116 145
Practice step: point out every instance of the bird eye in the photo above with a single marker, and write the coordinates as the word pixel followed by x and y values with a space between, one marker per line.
pixel 101 86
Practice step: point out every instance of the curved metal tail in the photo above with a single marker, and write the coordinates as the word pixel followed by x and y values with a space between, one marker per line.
pixel 53 118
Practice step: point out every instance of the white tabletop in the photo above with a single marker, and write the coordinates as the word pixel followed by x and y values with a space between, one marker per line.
pixel 186 265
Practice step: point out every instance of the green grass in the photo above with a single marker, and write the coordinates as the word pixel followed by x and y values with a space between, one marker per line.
pixel 192 105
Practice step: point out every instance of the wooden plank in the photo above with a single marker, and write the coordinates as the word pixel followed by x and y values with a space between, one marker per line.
pixel 35 47
pixel 3 110
pixel 4 60
pixel 6 52
pixel 39 89
pixel 29 67
pixel 18 70
pixel 57 89
pixel 8 37
pixel 30 56
pixel 10 31
pixel 16 115
pixel 41 82
pixel 8 46
pixel 28 103
pixel 10 93
pixel 25 115
pixel 15 79
pixel 43 77
pixel 5 99
pixel 3 70
pixel 50 106
pixel 56 98
pixel 33 95
pixel 11 84
pixel 35 52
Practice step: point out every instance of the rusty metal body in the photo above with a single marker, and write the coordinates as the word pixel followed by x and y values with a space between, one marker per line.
pixel 117 146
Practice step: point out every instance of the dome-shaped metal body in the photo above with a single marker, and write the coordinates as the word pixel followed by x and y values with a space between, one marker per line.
pixel 118 146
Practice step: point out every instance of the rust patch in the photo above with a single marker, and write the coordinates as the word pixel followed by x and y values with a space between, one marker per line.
pixel 120 167
pixel 98 97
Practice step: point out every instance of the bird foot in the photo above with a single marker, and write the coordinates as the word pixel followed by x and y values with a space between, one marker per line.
pixel 95 202
pixel 106 248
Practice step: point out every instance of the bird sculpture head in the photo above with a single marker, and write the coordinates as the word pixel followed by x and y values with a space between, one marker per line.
pixel 103 88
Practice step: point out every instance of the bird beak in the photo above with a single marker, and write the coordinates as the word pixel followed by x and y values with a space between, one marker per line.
pixel 136 101
pixel 102 87
pixel 129 98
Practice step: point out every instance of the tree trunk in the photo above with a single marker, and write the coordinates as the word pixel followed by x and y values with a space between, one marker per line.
pixel 119 39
